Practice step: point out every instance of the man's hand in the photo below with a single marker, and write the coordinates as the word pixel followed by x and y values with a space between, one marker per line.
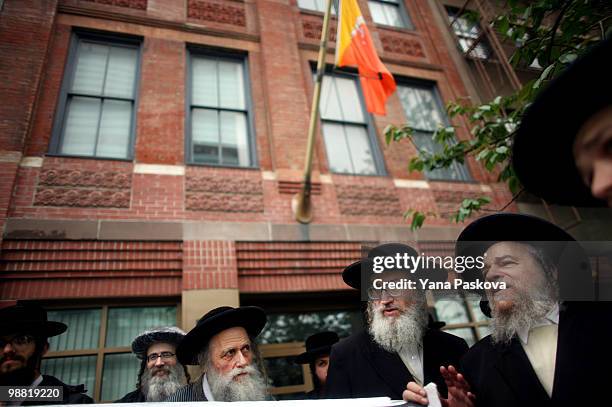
pixel 459 394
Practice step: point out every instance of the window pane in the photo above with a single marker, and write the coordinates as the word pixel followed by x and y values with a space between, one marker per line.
pixel 330 104
pixel 124 324
pixel 73 370
pixel 378 14
pixel 115 125
pixel 296 327
pixel 83 329
pixel 309 4
pixel 234 139
pixel 338 153
pixel 392 14
pixel 451 311
pixel 361 153
pixel 205 88
pixel 90 68
pixel 283 372
pixel 475 304
pixel 349 101
pixel 420 106
pixel 119 376
pixel 231 83
pixel 81 126
pixel 205 135
pixel 454 172
pixel 121 72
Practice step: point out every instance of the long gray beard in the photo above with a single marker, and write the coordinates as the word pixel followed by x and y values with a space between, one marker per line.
pixel 396 333
pixel 527 309
pixel 251 387
pixel 158 388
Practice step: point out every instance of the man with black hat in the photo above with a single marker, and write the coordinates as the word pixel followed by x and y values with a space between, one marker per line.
pixel 549 345
pixel 398 346
pixel 24 333
pixel 160 375
pixel 318 348
pixel 223 344
pixel 569 127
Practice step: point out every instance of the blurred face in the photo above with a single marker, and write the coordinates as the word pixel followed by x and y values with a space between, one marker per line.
pixel 593 154
pixel 392 303
pixel 231 349
pixel 166 357
pixel 321 364
pixel 512 263
pixel 17 350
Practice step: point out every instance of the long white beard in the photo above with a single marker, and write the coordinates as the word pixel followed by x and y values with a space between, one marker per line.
pixel 158 388
pixel 527 309
pixel 250 387
pixel 396 333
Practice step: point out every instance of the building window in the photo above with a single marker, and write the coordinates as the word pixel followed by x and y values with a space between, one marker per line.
pixel 95 350
pixel 219 112
pixel 463 317
pixel 283 339
pixel 348 137
pixel 424 113
pixel 318 5
pixel 96 110
pixel 468 33
pixel 389 12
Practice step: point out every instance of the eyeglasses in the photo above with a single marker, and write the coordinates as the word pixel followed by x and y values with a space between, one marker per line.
pixel 164 356
pixel 17 341
pixel 377 294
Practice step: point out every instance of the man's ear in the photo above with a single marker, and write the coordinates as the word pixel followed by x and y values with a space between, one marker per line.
pixel 45 349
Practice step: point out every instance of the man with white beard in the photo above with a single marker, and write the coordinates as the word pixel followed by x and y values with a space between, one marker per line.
pixel 398 345
pixel 160 374
pixel 223 345
pixel 548 346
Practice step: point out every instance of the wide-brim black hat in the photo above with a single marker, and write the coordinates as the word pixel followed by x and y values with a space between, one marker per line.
pixel 575 281
pixel 167 334
pixel 252 319
pixel 317 345
pixel 550 125
pixel 353 273
pixel 28 318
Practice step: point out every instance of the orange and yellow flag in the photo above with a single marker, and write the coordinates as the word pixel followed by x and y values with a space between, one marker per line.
pixel 354 47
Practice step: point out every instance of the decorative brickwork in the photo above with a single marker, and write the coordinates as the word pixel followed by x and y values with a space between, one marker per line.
pixel 223 194
pixel 135 4
pixel 209 264
pixel 368 200
pixel 70 269
pixel 80 188
pixel 293 187
pixel 312 27
pixel 400 44
pixel 216 12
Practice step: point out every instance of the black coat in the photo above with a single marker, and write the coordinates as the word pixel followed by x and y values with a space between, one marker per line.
pixel 135 396
pixel 72 394
pixel 501 375
pixel 359 367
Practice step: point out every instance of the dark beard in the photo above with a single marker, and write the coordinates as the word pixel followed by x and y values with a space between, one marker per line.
pixel 20 377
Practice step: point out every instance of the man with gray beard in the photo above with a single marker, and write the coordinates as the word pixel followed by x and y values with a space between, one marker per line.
pixel 398 345
pixel 223 345
pixel 160 374
pixel 549 345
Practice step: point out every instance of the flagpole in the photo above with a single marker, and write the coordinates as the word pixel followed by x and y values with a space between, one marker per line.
pixel 301 203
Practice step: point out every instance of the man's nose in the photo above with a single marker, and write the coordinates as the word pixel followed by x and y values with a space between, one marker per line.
pixel 601 184
pixel 8 348
pixel 159 361
pixel 241 361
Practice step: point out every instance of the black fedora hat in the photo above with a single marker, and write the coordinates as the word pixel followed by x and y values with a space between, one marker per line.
pixel 29 318
pixel 549 127
pixel 575 281
pixel 252 319
pixel 317 345
pixel 165 334
pixel 352 274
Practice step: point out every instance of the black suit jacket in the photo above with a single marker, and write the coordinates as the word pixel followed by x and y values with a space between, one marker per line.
pixel 501 375
pixel 359 367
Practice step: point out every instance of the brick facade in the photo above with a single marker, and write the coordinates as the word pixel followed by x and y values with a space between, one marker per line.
pixel 158 192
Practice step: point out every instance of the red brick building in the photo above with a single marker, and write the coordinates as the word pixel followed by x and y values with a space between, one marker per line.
pixel 149 151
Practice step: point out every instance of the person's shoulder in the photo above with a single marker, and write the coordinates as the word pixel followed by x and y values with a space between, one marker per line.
pixel 131 397
pixel 447 338
pixel 185 393
pixel 481 351
pixel 73 394
pixel 355 340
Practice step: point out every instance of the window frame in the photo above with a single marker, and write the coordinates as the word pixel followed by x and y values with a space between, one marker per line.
pixel 101 351
pixel 379 162
pixel 403 13
pixel 334 10
pixel 105 38
pixel 433 87
pixel 228 55
pixel 482 37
